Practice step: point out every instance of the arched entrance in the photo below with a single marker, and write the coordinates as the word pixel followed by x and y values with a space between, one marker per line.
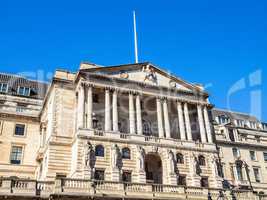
pixel 153 167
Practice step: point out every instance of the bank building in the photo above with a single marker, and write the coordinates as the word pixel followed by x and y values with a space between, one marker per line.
pixel 130 131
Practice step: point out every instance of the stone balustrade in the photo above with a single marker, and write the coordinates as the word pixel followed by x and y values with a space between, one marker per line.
pixel 135 138
pixel 82 187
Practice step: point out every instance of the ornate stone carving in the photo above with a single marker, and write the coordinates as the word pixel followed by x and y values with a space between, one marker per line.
pixel 89 156
pixel 140 158
pixel 114 156
pixel 171 162
pixel 150 74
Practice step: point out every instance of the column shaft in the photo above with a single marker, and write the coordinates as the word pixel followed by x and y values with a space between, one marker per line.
pixel 80 114
pixel 107 111
pixel 139 116
pixel 201 124
pixel 89 107
pixel 159 116
pixel 166 119
pixel 207 125
pixel 187 122
pixel 181 120
pixel 131 113
pixel 115 111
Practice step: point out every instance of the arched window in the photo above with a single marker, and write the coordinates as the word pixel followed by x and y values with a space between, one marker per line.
pixel 180 158
pixel 201 160
pixel 126 153
pixel 99 151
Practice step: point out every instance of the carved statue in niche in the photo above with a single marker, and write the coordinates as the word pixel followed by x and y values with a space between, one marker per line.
pixel 149 74
pixel 196 165
pixel 140 158
pixel 171 162
pixel 214 164
pixel 114 156
pixel 89 156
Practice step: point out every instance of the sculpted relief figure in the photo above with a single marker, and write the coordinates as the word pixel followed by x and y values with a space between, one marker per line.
pixel 89 155
pixel 171 162
pixel 140 158
pixel 150 74
pixel 196 165
pixel 114 156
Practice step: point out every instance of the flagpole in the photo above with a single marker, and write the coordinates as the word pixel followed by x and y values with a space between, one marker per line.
pixel 135 39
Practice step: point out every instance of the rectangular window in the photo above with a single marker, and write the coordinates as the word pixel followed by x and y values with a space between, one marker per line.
pixel 24 91
pixel 3 87
pixel 257 174
pixel 16 155
pixel 20 129
pixel 204 182
pixel 236 152
pixel 99 175
pixel 252 155
pixel 182 180
pixel 231 135
pixel 127 176
pixel 265 156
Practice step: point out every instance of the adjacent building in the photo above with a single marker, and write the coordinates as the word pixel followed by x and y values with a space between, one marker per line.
pixel 242 144
pixel 20 105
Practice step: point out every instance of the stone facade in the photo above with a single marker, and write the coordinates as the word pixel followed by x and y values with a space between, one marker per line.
pixel 242 142
pixel 128 131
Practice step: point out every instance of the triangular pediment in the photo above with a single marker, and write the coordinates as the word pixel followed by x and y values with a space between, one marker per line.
pixel 145 73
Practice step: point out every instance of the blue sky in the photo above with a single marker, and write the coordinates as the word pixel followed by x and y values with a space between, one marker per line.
pixel 216 43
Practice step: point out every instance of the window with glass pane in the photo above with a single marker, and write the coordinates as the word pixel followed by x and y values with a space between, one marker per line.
pixel 99 174
pixel 3 87
pixel 182 180
pixel 235 152
pixel 204 182
pixel 20 129
pixel 252 155
pixel 24 91
pixel 231 135
pixel 239 172
pixel 126 176
pixel 257 174
pixel 265 156
pixel 16 155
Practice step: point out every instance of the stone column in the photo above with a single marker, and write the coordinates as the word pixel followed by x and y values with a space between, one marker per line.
pixel 139 116
pixel 80 113
pixel 159 116
pixel 107 110
pixel 131 113
pixel 207 125
pixel 166 119
pixel 187 122
pixel 181 120
pixel 201 124
pixel 115 111
pixel 89 107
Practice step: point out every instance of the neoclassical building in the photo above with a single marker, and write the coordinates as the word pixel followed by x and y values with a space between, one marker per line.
pixel 119 132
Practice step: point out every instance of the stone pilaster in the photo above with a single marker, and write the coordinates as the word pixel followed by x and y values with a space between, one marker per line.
pixel 181 120
pixel 201 124
pixel 187 122
pixel 107 110
pixel 159 117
